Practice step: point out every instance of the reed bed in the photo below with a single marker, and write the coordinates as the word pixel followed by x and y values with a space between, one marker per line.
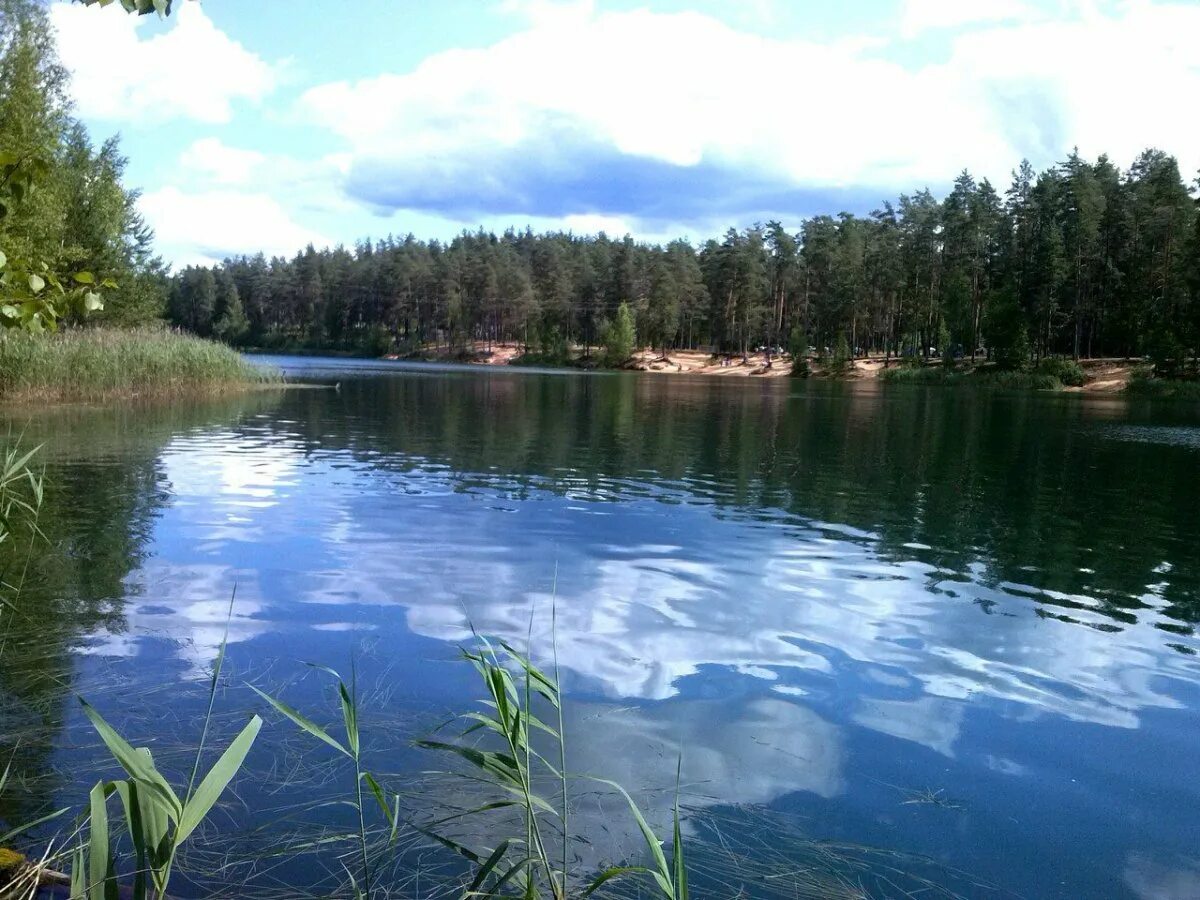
pixel 94 364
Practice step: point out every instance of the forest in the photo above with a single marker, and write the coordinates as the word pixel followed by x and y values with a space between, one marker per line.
pixel 1084 259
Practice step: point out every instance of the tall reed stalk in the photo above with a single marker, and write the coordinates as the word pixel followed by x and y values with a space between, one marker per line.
pixel 350 747
pixel 157 820
pixel 507 761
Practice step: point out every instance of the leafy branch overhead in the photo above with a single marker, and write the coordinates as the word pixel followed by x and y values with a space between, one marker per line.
pixel 33 296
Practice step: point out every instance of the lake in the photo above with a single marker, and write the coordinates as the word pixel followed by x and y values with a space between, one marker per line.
pixel 945 634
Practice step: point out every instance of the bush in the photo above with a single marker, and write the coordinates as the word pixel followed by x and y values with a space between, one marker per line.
pixel 375 341
pixel 918 374
pixel 798 348
pixel 1144 384
pixel 1167 353
pixel 1067 371
pixel 840 360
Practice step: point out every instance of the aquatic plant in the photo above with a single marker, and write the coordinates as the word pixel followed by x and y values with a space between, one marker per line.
pixel 513 770
pixel 157 820
pixel 104 364
pixel 351 748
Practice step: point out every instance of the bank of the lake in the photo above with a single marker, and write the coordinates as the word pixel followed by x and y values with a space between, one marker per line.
pixel 1106 376
pixel 93 365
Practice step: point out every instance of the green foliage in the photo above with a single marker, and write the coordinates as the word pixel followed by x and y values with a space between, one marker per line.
pixel 798 350
pixel 840 360
pixel 619 337
pixel 513 770
pixel 1007 334
pixel 157 820
pixel 1145 384
pixel 1065 370
pixel 229 318
pixel 69 231
pixel 351 748
pixel 141 7
pixel 99 364
pixel 21 494
pixel 989 377
pixel 32 296
pixel 945 345
pixel 1167 352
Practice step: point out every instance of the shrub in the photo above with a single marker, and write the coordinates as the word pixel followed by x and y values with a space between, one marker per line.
pixel 798 348
pixel 1144 384
pixel 840 360
pixel 1067 371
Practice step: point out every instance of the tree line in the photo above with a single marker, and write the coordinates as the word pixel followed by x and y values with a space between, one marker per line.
pixel 1083 259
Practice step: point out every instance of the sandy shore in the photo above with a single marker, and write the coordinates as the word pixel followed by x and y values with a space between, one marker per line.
pixel 1106 376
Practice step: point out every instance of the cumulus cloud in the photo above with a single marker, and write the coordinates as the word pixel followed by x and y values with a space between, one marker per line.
pixel 126 71
pixel 210 158
pixel 206 226
pixel 638 114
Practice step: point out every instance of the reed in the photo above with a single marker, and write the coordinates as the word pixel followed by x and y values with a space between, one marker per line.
pixel 95 364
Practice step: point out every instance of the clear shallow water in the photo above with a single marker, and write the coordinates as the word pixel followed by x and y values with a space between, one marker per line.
pixel 842 601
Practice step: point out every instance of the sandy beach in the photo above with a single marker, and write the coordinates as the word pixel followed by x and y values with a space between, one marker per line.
pixel 1105 376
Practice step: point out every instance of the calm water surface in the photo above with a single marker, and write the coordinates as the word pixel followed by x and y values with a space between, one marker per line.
pixel 953 625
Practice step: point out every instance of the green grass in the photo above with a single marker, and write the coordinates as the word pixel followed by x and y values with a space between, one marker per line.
pixel 981 377
pixel 108 364
pixel 1143 384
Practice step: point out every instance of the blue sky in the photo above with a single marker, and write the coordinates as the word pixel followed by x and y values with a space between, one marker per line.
pixel 267 126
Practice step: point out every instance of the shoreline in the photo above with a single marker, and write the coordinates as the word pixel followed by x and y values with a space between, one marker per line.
pixel 1105 375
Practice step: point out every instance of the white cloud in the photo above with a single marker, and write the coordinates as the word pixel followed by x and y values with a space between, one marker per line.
pixel 130 68
pixel 210 158
pixel 684 89
pixel 205 226
pixel 930 15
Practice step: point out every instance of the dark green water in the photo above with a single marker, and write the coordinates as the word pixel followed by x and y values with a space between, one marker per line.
pixel 950 624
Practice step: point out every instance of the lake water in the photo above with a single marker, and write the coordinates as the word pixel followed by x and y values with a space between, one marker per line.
pixel 955 627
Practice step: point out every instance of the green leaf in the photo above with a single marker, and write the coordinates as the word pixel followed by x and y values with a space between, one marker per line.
pixel 3 259
pixel 36 283
pixel 85 277
pixel 303 721
pixel 609 874
pixel 98 849
pixel 662 874
pixel 92 301
pixel 78 879
pixel 488 865
pixel 12 833
pixel 380 798
pixel 138 763
pixel 350 717
pixel 9 311
pixel 217 780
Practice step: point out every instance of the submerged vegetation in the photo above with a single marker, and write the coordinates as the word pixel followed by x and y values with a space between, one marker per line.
pixel 108 364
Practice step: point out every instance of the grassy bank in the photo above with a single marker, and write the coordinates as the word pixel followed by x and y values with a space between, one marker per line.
pixel 1146 385
pixel 103 364
pixel 1039 381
